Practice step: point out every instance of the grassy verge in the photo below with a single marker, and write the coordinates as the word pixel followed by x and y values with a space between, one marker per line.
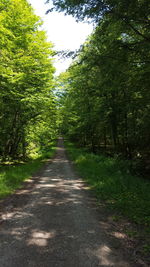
pixel 12 175
pixel 111 181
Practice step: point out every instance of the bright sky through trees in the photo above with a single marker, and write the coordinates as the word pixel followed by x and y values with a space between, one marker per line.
pixel 63 31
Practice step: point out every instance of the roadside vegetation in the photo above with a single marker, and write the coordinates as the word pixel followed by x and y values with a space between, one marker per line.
pixel 111 181
pixel 28 112
pixel 101 102
pixel 27 101
pixel 105 106
pixel 12 174
pixel 106 97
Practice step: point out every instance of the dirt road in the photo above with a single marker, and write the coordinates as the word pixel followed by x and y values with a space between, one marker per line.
pixel 58 224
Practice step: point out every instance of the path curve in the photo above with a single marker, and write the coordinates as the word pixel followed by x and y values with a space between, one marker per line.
pixel 59 225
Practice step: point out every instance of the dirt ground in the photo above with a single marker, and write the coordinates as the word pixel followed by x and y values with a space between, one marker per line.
pixel 55 221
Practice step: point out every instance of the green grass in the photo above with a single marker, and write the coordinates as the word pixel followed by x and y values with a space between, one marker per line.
pixel 112 182
pixel 12 175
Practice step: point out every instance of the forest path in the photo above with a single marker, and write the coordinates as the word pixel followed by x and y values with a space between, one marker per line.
pixel 59 225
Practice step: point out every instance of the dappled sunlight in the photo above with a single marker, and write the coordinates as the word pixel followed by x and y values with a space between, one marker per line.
pixel 49 203
pixel 103 254
pixel 91 231
pixel 40 238
pixel 59 225
pixel 18 232
pixel 60 160
pixel 16 215
pixel 23 191
pixel 45 185
pixel 56 180
pixel 7 215
pixel 108 257
pixel 118 235
pixel 23 215
pixel 30 181
pixel 104 225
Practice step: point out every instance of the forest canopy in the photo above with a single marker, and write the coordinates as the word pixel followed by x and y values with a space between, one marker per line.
pixel 105 101
pixel 27 104
pixel 106 104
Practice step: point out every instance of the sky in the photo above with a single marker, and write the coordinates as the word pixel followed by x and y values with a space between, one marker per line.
pixel 63 31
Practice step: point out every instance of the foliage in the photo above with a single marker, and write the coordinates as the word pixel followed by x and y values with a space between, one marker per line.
pixel 106 105
pixel 26 78
pixel 111 181
pixel 12 175
pixel 133 13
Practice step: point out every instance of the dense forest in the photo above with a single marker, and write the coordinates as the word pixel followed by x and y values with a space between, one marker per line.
pixel 105 106
pixel 27 103
pixel 104 100
pixel 101 107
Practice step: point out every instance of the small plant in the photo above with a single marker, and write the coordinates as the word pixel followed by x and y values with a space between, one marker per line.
pixel 111 181
pixel 146 249
pixel 12 176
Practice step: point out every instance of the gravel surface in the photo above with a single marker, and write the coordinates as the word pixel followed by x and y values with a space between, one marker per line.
pixel 59 224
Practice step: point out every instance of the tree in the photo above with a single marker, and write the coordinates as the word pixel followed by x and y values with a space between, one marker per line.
pixel 108 92
pixel 133 13
pixel 26 75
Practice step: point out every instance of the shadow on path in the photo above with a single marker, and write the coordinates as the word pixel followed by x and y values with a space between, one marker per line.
pixel 59 225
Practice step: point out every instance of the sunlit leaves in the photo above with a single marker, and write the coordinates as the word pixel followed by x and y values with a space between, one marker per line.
pixel 107 96
pixel 26 74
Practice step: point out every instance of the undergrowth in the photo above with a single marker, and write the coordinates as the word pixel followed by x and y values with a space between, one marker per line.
pixel 13 174
pixel 112 182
